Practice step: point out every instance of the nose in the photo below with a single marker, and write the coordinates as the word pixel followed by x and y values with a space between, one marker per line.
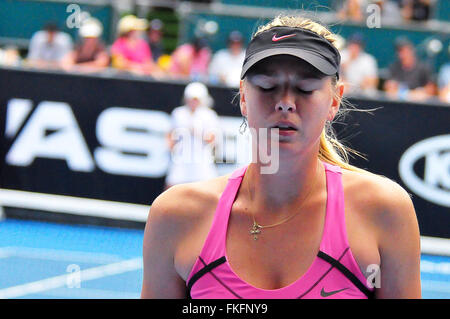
pixel 286 104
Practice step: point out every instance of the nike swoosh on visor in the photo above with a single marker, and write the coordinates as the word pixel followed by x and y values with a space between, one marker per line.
pixel 275 38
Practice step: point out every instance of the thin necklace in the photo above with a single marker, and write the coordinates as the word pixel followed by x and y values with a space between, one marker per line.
pixel 256 228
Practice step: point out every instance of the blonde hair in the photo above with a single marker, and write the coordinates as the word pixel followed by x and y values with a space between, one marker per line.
pixel 330 150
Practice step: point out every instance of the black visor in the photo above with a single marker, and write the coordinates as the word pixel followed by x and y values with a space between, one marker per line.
pixel 298 42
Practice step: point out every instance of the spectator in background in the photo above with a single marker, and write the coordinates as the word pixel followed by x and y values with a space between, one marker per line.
pixel 191 140
pixel 48 47
pixel 352 10
pixel 444 83
pixel 416 10
pixel 191 60
pixel 360 10
pixel 154 36
pixel 390 11
pixel 359 69
pixel 154 40
pixel 130 51
pixel 10 56
pixel 90 54
pixel 226 64
pixel 408 78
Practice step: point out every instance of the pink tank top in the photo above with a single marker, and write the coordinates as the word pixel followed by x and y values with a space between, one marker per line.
pixel 334 272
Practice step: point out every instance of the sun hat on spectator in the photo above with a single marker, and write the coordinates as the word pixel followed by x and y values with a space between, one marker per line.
pixel 131 23
pixel 91 28
pixel 197 90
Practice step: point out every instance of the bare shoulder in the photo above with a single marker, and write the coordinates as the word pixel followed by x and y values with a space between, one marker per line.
pixel 385 210
pixel 184 205
pixel 174 215
pixel 387 204
pixel 373 186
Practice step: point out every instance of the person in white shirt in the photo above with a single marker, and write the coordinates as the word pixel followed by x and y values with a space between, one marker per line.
pixel 195 127
pixel 226 65
pixel 358 68
pixel 48 47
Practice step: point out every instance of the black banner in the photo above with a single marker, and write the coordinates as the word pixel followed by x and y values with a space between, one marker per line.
pixel 86 113
pixel 102 137
pixel 410 144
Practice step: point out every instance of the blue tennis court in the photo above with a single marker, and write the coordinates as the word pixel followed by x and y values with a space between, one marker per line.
pixel 47 260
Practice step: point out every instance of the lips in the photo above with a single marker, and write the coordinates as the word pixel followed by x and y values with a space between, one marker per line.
pixel 285 126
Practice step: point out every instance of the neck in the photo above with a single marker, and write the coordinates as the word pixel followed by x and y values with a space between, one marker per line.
pixel 287 187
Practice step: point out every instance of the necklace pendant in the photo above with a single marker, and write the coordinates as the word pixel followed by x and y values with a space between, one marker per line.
pixel 256 230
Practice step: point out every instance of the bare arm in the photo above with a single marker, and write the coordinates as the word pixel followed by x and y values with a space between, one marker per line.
pixel 171 141
pixel 161 235
pixel 101 61
pixel 399 246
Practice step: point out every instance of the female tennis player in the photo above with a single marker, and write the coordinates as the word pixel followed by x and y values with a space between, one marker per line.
pixel 317 227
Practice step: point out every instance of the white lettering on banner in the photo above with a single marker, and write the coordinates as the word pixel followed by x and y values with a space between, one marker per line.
pixel 435 186
pixel 129 143
pixel 65 140
pixel 437 169
pixel 16 112
pixel 132 141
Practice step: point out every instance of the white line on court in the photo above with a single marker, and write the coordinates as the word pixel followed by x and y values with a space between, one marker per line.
pixel 62 280
pixel 428 266
pixel 73 205
pixel 88 293
pixel 59 255
pixel 436 286
pixel 435 246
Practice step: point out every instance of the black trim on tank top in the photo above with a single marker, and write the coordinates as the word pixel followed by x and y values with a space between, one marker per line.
pixel 207 268
pixel 347 273
pixel 332 261
pixel 322 277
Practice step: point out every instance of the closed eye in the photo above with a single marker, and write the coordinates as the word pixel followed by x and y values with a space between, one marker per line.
pixel 269 84
pixel 299 90
pixel 266 88
pixel 273 88
pixel 263 83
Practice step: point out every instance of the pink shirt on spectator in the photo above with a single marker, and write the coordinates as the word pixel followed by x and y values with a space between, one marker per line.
pixel 138 53
pixel 199 62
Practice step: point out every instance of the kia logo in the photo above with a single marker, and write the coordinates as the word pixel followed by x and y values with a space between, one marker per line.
pixel 435 184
